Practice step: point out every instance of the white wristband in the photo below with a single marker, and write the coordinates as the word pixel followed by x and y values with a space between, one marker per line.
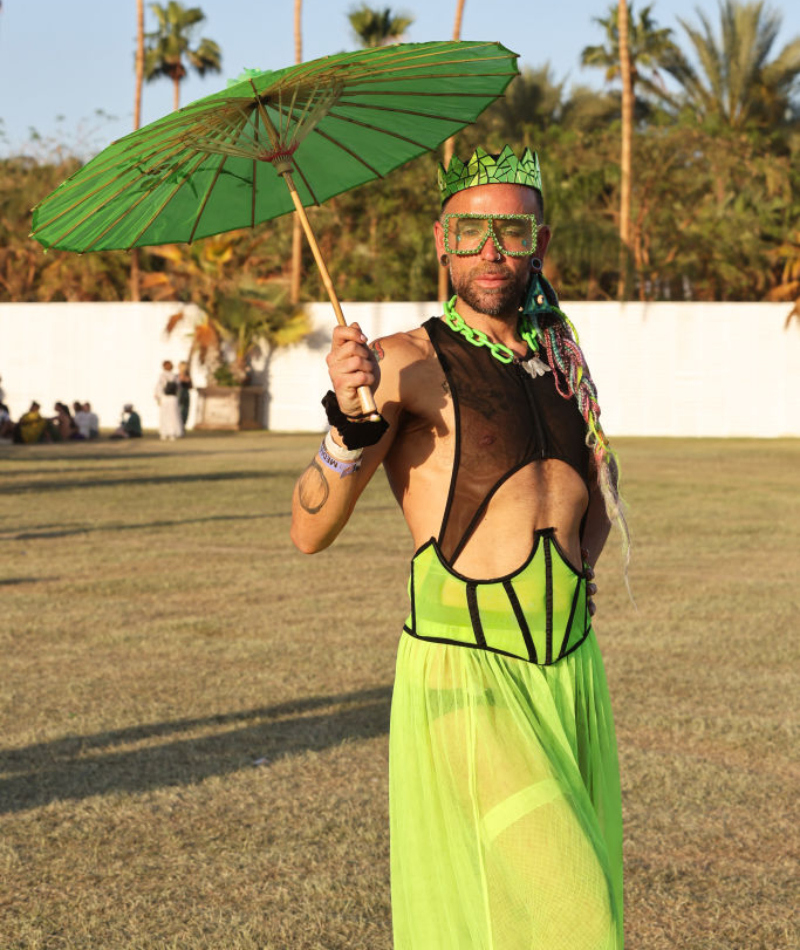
pixel 339 452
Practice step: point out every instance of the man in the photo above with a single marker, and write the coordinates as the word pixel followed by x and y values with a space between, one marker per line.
pixel 504 788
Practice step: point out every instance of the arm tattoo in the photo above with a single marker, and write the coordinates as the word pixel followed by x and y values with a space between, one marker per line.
pixel 377 351
pixel 313 490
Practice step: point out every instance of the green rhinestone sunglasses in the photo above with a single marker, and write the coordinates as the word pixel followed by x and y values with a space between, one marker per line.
pixel 512 234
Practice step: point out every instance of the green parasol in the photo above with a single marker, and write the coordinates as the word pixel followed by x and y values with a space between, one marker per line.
pixel 324 126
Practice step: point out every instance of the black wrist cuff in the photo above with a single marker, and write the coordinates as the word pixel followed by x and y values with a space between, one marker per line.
pixel 357 431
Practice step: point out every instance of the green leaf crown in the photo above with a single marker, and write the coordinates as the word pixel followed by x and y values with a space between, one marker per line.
pixel 485 169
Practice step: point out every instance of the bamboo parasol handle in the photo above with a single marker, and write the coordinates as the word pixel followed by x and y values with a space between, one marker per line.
pixel 364 392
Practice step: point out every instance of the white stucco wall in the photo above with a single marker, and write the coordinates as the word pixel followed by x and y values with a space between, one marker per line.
pixel 106 353
pixel 674 369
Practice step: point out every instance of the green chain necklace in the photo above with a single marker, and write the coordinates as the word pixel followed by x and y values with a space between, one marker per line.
pixel 528 330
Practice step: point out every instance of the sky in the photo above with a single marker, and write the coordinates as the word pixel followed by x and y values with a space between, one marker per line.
pixel 67 66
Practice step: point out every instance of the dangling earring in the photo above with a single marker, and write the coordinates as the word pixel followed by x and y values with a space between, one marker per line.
pixel 444 260
pixel 536 264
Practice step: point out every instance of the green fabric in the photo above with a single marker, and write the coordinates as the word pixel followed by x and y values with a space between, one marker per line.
pixel 344 120
pixel 506 827
pixel 440 604
pixel 505 806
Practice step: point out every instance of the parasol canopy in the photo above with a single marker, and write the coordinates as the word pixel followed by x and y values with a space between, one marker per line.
pixel 331 124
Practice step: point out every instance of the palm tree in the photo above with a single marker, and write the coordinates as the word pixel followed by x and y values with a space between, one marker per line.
pixel 373 27
pixel 449 146
pixel 169 46
pixel 297 231
pixel 137 101
pixel 137 121
pixel 650 48
pixel 242 310
pixel 626 75
pixel 737 83
pixel 634 49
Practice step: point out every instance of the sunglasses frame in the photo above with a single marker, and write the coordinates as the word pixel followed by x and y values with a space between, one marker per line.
pixel 491 218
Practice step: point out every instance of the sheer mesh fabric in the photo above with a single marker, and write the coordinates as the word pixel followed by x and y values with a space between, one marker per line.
pixel 506 818
pixel 505 802
pixel 505 419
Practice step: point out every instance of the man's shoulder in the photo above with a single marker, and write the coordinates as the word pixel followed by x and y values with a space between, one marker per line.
pixel 404 347
pixel 409 370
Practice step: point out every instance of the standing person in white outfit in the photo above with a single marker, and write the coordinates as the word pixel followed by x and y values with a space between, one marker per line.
pixel 170 425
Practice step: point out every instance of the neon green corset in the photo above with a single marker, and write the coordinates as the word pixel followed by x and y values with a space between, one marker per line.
pixel 538 613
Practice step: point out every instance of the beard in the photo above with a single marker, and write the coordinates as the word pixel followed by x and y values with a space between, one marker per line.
pixel 501 301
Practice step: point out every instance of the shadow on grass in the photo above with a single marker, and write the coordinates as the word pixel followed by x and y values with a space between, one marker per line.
pixel 14 581
pixel 71 452
pixel 35 533
pixel 77 767
pixel 64 484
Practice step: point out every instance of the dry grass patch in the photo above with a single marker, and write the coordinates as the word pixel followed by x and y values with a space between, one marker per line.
pixel 195 717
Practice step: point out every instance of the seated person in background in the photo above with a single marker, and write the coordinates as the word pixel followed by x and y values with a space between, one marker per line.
pixel 131 425
pixel 64 423
pixel 94 422
pixel 82 419
pixel 6 425
pixel 31 427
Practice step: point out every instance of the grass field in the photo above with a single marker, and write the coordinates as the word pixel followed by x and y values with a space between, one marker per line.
pixel 194 717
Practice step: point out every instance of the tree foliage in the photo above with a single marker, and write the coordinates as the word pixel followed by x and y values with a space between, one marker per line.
pixel 733 81
pixel 377 27
pixel 715 206
pixel 651 48
pixel 169 51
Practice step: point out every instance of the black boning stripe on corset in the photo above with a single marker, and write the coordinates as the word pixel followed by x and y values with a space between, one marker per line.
pixel 457 423
pixel 475 615
pixel 523 623
pixel 413 600
pixel 548 597
pixel 571 618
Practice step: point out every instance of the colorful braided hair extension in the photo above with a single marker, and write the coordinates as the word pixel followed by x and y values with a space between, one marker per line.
pixel 561 341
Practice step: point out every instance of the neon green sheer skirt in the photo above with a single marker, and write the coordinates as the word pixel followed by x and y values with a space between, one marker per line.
pixel 506 828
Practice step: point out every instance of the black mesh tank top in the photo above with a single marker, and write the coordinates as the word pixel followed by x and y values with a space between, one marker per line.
pixel 504 419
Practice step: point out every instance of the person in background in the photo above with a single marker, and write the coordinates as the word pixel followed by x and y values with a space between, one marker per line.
pixel 170 426
pixel 94 421
pixel 6 425
pixel 32 427
pixel 131 425
pixel 64 423
pixel 81 419
pixel 184 390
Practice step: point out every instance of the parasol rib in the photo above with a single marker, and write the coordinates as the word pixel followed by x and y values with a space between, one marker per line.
pixel 206 199
pixel 96 191
pixel 255 175
pixel 158 211
pixel 412 92
pixel 344 148
pixel 415 78
pixel 404 56
pixel 377 128
pixel 123 212
pixel 377 108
